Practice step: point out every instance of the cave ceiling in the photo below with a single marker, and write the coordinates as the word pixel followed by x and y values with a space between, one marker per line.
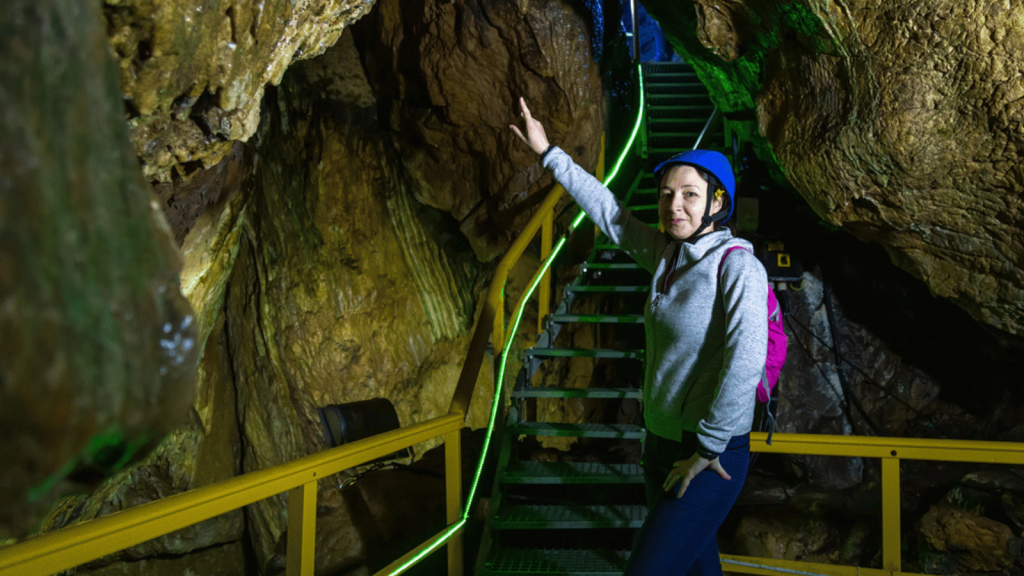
pixel 193 72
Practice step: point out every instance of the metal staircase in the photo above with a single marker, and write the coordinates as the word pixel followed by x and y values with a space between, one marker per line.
pixel 677 112
pixel 573 517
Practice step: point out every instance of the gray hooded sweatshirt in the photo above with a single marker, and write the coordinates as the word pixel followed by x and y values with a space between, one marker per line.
pixel 707 336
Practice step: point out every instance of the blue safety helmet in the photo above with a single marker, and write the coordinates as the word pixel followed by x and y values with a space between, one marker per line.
pixel 714 163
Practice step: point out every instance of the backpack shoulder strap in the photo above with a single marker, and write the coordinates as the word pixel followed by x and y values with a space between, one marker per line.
pixel 726 255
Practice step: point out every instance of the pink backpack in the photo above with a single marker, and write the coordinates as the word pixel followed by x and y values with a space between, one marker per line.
pixel 776 352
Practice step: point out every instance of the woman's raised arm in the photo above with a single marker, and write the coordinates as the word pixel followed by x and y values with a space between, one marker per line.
pixel 640 241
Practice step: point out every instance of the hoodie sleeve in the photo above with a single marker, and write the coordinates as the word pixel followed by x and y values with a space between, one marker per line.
pixel 744 295
pixel 643 243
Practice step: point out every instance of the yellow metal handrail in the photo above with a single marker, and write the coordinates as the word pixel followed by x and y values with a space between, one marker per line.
pixel 77 544
pixel 890 451
pixel 493 313
pixel 491 322
pixel 80 543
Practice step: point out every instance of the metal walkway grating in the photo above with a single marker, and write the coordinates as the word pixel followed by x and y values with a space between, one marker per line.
pixel 628 431
pixel 602 393
pixel 583 353
pixel 538 516
pixel 531 472
pixel 601 318
pixel 560 562
pixel 607 289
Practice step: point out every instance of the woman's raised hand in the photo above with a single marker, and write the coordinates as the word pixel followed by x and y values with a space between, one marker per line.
pixel 535 137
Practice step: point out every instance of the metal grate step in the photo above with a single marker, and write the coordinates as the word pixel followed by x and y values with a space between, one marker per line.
pixel 600 266
pixel 598 318
pixel 673 98
pixel 539 516
pixel 606 289
pixel 696 120
pixel 531 472
pixel 681 108
pixel 684 72
pixel 667 83
pixel 589 430
pixel 583 353
pixel 598 393
pixel 677 135
pixel 671 67
pixel 519 561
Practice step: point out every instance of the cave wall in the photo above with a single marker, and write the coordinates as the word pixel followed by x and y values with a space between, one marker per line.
pixel 899 122
pixel 336 249
pixel 96 341
pixel 447 77
pixel 193 72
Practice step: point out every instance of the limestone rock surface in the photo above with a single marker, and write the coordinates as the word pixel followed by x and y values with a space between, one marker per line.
pixel 97 353
pixel 204 450
pixel 809 537
pixel 448 76
pixel 193 72
pixel 319 269
pixel 899 122
pixel 977 544
pixel 339 293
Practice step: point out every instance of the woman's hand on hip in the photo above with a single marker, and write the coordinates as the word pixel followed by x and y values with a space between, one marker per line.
pixel 535 137
pixel 684 471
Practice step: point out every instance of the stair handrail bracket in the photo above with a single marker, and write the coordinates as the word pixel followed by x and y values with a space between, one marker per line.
pixel 491 322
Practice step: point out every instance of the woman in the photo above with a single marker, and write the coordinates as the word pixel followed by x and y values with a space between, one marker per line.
pixel 707 334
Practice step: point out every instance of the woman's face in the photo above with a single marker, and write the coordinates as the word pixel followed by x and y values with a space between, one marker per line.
pixel 681 201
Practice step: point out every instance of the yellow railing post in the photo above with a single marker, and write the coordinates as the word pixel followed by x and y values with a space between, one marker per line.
pixel 453 487
pixel 891 514
pixel 544 294
pixel 301 529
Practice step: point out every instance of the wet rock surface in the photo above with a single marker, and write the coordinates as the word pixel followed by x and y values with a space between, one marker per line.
pixel 898 123
pixel 97 354
pixel 964 541
pixel 339 291
pixel 447 76
pixel 193 71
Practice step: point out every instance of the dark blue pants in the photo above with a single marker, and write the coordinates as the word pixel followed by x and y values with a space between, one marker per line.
pixel 678 536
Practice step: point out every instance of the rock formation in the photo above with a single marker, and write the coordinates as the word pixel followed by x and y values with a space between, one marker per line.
pixel 332 256
pixel 900 123
pixel 447 76
pixel 898 399
pixel 97 351
pixel 193 72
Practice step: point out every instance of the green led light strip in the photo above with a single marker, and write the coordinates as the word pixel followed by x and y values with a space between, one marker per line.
pixel 496 402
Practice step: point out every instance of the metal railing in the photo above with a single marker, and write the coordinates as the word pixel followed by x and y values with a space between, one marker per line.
pixel 80 543
pixel 891 451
